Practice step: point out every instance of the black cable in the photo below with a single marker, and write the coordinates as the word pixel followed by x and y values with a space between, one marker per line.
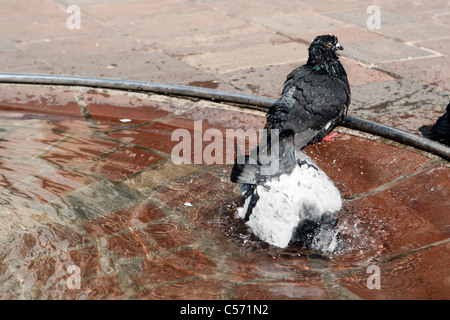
pixel 246 101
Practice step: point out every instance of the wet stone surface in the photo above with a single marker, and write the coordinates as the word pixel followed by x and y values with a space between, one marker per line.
pixel 93 205
pixel 103 197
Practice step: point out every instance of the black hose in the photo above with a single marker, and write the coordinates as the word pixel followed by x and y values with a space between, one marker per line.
pixel 223 96
pixel 162 88
pixel 398 135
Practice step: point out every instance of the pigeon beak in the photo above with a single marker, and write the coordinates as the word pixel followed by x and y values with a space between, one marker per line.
pixel 339 47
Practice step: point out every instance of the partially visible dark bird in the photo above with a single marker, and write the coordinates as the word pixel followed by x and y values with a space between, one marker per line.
pixel 441 129
pixel 315 96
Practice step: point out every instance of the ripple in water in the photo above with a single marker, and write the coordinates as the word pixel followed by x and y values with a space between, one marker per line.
pixel 211 289
pixel 350 240
pixel 398 279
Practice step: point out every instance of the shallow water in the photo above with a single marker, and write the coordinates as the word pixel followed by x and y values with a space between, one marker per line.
pixel 96 209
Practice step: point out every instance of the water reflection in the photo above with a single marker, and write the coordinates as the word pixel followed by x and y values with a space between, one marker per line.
pixel 64 224
pixel 44 205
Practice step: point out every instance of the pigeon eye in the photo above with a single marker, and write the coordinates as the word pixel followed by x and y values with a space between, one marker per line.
pixel 328 45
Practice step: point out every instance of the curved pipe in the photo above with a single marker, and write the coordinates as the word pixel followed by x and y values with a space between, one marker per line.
pixel 398 135
pixel 217 95
pixel 162 88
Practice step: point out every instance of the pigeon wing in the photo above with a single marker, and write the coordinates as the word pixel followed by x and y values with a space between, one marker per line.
pixel 278 113
pixel 282 158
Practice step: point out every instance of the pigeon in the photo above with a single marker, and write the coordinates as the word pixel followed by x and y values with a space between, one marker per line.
pixel 315 96
pixel 286 196
pixel 296 204
pixel 441 129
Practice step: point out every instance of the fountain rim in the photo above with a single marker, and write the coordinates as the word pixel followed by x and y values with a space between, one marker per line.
pixel 242 100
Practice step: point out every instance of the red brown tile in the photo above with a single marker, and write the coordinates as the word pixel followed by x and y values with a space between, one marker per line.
pixel 40 98
pixel 124 219
pixel 184 144
pixel 46 27
pixel 178 265
pixel 74 177
pixel 422 276
pixel 407 216
pixel 149 239
pixel 280 290
pixel 13 171
pixel 110 108
pixel 251 35
pixel 102 288
pixel 47 125
pixel 46 240
pixel 59 50
pixel 358 74
pixel 78 150
pixel 243 269
pixel 114 12
pixel 88 260
pixel 35 140
pixel 266 81
pixel 358 165
pixel 193 190
pixel 45 271
pixel 431 200
pixel 125 245
pixel 156 136
pixel 187 290
pixel 123 163
pixel 54 184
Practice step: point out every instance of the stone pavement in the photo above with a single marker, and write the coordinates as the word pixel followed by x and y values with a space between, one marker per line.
pixel 83 189
pixel 399 72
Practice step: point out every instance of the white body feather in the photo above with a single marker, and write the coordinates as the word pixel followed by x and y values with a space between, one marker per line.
pixel 306 193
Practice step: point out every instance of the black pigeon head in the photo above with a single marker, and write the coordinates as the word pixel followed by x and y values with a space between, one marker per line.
pixel 326 43
pixel 323 57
